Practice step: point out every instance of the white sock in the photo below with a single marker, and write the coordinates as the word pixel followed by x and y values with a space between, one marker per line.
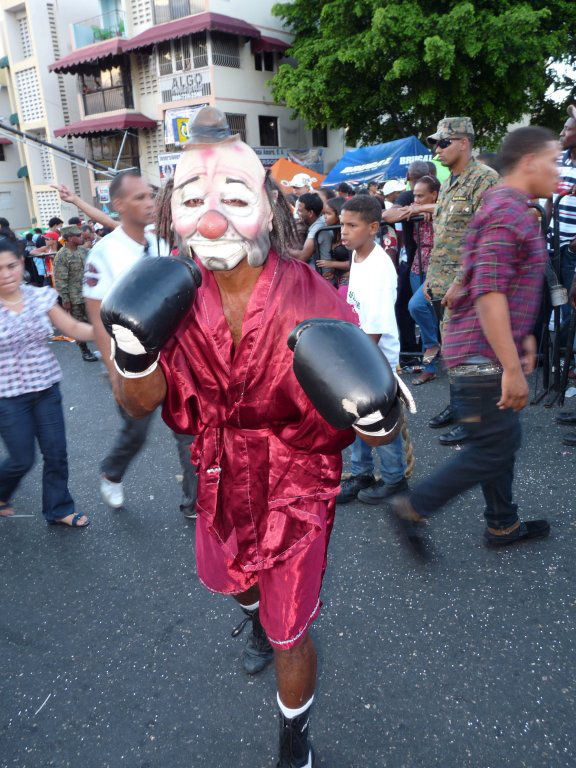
pixel 252 607
pixel 290 714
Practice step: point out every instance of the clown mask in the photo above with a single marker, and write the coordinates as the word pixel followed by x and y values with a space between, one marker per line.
pixel 220 208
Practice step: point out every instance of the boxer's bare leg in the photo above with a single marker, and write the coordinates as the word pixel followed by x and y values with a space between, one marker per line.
pixel 249 597
pixel 296 673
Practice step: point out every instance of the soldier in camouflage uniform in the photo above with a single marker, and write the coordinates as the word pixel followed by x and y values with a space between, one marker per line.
pixel 459 199
pixel 68 279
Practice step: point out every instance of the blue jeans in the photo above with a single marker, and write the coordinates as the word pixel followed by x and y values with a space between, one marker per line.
pixel 487 458
pixel 392 461
pixel 423 313
pixel 23 420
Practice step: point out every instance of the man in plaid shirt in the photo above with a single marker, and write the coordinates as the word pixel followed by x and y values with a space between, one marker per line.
pixel 488 348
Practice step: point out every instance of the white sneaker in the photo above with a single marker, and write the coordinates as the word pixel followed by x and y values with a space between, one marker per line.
pixel 112 493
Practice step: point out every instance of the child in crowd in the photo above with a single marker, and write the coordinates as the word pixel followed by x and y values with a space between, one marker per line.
pixel 339 262
pixel 372 293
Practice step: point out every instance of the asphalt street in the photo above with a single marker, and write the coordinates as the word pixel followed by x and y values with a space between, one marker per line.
pixel 112 655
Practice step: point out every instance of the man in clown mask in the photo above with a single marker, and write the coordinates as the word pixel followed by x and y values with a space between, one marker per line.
pixel 221 337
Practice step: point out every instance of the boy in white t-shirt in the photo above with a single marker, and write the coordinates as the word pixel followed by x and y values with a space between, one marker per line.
pixel 372 293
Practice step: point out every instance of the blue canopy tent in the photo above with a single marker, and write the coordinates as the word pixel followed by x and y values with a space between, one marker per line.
pixel 378 163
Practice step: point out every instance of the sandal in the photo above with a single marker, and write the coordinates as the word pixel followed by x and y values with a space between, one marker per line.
pixel 5 509
pixel 73 523
pixel 424 378
pixel 430 355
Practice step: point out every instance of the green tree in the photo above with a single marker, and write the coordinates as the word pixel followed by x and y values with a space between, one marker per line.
pixel 388 68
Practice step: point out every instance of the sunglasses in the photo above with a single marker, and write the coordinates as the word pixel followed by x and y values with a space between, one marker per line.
pixel 443 143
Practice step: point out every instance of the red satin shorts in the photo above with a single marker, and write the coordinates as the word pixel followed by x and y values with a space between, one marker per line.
pixel 289 590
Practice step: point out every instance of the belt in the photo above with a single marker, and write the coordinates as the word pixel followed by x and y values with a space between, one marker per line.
pixel 477 365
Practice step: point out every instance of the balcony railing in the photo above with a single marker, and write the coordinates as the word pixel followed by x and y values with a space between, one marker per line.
pixel 106 100
pixel 103 27
pixel 169 10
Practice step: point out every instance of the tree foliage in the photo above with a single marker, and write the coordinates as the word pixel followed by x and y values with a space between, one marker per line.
pixel 388 68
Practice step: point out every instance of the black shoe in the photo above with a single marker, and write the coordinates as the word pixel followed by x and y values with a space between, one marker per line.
pixel 87 355
pixel 350 487
pixel 258 652
pixel 443 419
pixel 189 511
pixel 295 750
pixel 380 491
pixel 566 417
pixel 408 525
pixel 531 529
pixel 454 436
pixel 570 439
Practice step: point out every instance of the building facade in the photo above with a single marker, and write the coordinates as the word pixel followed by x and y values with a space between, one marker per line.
pixel 140 69
pixel 33 34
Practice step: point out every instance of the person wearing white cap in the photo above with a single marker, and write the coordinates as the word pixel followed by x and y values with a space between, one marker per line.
pixel 301 183
pixel 391 191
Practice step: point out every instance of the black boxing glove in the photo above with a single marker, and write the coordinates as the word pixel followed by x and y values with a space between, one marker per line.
pixel 144 309
pixel 347 378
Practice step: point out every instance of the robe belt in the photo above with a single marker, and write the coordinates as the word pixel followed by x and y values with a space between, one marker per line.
pixel 209 444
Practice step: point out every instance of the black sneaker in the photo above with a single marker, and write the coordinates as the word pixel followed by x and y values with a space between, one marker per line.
pixel 454 436
pixel 566 417
pixel 189 510
pixel 380 491
pixel 258 652
pixel 531 529
pixel 294 749
pixel 350 487
pixel 443 419
pixel 88 356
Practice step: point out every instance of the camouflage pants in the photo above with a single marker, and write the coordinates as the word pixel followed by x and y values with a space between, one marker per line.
pixel 78 312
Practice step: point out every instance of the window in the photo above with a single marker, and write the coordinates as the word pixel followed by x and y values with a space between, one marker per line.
pixel 264 61
pixel 268 131
pixel 237 124
pixel 105 149
pixel 2 155
pixel 105 90
pixel 170 10
pixel 320 137
pixel 183 55
pixel 225 50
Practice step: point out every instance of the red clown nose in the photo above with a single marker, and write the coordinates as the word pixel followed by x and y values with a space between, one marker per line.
pixel 212 225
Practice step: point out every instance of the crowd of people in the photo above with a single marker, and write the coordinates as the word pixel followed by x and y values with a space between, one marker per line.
pixel 284 329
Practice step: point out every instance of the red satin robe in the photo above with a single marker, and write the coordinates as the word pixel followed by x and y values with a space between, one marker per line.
pixel 264 454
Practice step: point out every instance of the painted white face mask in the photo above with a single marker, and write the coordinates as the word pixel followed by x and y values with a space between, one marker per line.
pixel 218 256
pixel 220 208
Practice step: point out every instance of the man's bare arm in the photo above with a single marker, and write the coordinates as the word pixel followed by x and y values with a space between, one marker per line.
pixel 306 253
pixel 142 396
pixel 494 315
pixel 90 210
pixel 395 214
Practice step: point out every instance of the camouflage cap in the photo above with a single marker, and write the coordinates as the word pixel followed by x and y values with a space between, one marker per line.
pixel 453 128
pixel 71 229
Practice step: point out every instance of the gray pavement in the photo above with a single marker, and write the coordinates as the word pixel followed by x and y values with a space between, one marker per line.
pixel 113 655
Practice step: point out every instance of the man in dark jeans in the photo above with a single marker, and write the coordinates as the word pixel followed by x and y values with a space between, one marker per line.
pixel 488 349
